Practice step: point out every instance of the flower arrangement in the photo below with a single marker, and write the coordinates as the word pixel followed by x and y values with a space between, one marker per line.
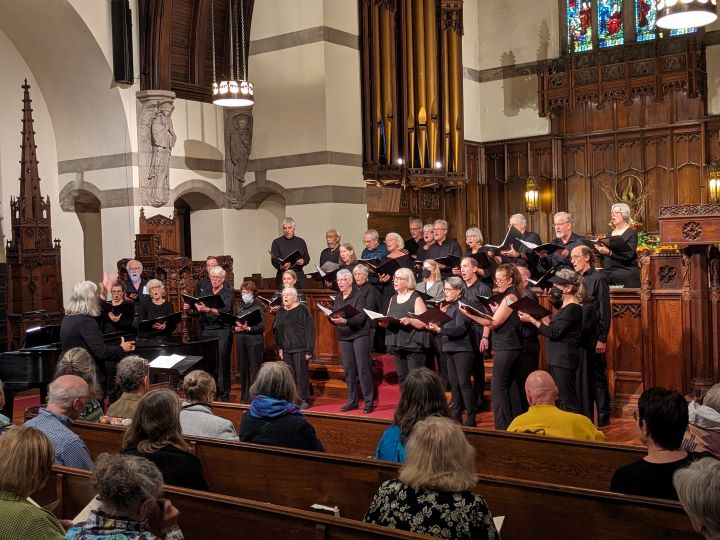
pixel 651 244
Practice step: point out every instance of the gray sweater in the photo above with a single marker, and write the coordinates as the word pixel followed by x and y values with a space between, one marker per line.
pixel 198 419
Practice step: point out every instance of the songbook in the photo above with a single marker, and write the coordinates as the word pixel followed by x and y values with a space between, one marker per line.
pixel 328 271
pixel 474 311
pixel 372 263
pixel 432 316
pixel 543 282
pixel 510 237
pixel 389 267
pixel 252 317
pixel 271 302
pixel 614 243
pixel 375 316
pixel 529 306
pixel 125 309
pixel 548 247
pixel 173 320
pixel 450 261
pixel 293 258
pixel 487 301
pixel 346 312
pixel 167 361
pixel 212 301
pixel 482 259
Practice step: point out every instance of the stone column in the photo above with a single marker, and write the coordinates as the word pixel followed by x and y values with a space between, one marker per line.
pixel 156 138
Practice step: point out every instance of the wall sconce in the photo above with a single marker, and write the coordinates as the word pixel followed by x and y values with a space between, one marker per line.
pixel 714 182
pixel 532 195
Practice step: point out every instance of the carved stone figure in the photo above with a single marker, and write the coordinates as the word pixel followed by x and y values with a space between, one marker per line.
pixel 156 139
pixel 238 143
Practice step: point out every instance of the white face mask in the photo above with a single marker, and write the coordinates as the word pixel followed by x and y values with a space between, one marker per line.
pixel 247 298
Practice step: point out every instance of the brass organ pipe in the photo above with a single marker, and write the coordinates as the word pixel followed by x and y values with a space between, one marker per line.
pixel 456 116
pixel 431 78
pixel 410 91
pixel 387 78
pixel 446 102
pixel 421 105
pixel 377 112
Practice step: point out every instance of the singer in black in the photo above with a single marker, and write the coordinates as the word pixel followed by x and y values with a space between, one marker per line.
pixel 155 305
pixel 443 246
pixel 562 333
pixel 124 322
pixel 284 246
pixel 565 238
pixel 620 266
pixel 250 342
pixel 354 336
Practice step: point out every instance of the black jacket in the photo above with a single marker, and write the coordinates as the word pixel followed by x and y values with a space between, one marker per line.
pixel 178 467
pixel 288 431
pixel 562 348
pixel 357 326
pixel 83 331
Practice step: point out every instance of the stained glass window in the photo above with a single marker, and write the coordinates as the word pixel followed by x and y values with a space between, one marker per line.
pixel 611 30
pixel 579 23
pixel 682 31
pixel 645 16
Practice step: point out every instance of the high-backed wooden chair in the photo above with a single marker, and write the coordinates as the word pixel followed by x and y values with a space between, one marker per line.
pixel 168 229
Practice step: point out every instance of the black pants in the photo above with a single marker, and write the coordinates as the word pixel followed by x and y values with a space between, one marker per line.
pixel 299 367
pixel 503 374
pixel 222 375
pixel 460 367
pixel 441 359
pixel 528 362
pixel 107 372
pixel 406 361
pixel 602 393
pixel 567 389
pixel 585 382
pixel 250 349
pixel 357 364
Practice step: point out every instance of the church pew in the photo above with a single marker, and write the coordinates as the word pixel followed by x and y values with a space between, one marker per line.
pixel 533 457
pixel 298 479
pixel 209 515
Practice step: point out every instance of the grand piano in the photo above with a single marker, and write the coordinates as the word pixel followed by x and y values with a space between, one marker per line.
pixel 34 365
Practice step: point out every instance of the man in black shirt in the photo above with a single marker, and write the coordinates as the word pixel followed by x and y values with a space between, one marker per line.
pixel 519 254
pixel 443 246
pixel 566 239
pixel 412 243
pixel 285 245
pixel 332 252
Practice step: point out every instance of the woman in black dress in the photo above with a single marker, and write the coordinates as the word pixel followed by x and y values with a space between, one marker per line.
pixel 620 266
pixel 118 314
pixel 155 306
pixel 562 333
pixel 250 343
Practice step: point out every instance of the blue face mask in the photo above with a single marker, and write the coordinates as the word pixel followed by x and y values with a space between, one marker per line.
pixel 247 298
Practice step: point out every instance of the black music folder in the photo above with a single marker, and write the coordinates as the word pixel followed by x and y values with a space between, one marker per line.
pixel 293 258
pixel 487 301
pixel 213 301
pixel 389 267
pixel 474 311
pixel 450 261
pixel 543 282
pixel 482 259
pixel 372 263
pixel 432 316
pixel 125 309
pixel 531 307
pixel 276 300
pixel 379 317
pixel 146 326
pixel 614 243
pixel 510 237
pixel 346 312
pixel 252 317
pixel 548 247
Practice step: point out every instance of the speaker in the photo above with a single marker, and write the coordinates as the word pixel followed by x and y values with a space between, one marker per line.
pixel 122 41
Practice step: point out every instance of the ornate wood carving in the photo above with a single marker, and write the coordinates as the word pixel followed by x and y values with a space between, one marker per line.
pixel 667 274
pixel 620 310
pixel 166 229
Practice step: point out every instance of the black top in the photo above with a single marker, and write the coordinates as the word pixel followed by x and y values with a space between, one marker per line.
pixel 150 310
pixel 399 337
pixel 83 331
pixel 437 251
pixel 596 309
pixel 133 293
pixel 620 268
pixel 288 431
pixel 329 255
pixel 386 288
pixel 372 297
pixel 562 348
pixel 411 246
pixel 651 479
pixel 456 334
pixel 556 259
pixel 281 248
pixel 178 467
pixel 529 330
pixel 125 324
pixel 474 291
pixel 294 330
pixel 204 288
pixel 357 326
pixel 531 258
pixel 256 331
pixel 508 336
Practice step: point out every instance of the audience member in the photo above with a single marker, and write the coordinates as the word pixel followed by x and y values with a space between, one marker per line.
pixel 661 420
pixel 544 418
pixel 196 416
pixel 698 488
pixel 67 396
pixel 27 462
pixel 155 434
pixel 129 490
pixel 4 420
pixel 274 418
pixel 422 395
pixel 434 490
pixel 77 361
pixel 133 376
pixel 703 433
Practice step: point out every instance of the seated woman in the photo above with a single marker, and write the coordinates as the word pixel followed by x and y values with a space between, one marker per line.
pixel 28 457
pixel 422 395
pixel 129 489
pixel 661 421
pixel 698 487
pixel 703 433
pixel 156 306
pixel 274 417
pixel 133 376
pixel 433 493
pixel 196 416
pixel 77 361
pixel 155 435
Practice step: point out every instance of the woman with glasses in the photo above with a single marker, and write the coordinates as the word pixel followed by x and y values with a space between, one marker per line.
pixel 431 284
pixel 620 266
pixel 507 342
pixel 406 339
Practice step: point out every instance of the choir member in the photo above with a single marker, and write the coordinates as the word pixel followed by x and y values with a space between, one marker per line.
pixel 374 248
pixel 413 243
pixel 250 341
pixel 530 356
pixel 135 285
pixel 620 266
pixel 474 240
pixel 122 322
pixel 348 259
pixel 284 246
pixel 431 284
pixel 331 253
pixel 155 306
pixel 443 246
pixel 428 240
pixel 396 251
pixel 203 286
pixel 373 302
pixel 565 238
pixel 520 254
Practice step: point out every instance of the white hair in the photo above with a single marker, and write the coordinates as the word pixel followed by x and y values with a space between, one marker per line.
pixel 698 488
pixel 62 393
pixel 127 266
pixel 83 300
pixel 624 210
pixel 156 283
pixel 216 271
pixel 398 239
pixel 344 272
pixel 372 233
pixel 563 215
pixel 360 268
pixel 288 221
pixel 519 217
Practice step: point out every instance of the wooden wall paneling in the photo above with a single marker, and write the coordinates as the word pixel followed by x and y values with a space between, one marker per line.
pixel 657 150
pixel 604 168
pixel 574 122
pixel 518 159
pixel 577 176
pixel 600 118
pixel 670 354
pixel 689 167
pixel 712 140
pixel 542 165
pixel 625 351
pixel 686 108
pixel 181 20
pixel 629 115
pixel 657 113
pixel 454 202
pixel 495 198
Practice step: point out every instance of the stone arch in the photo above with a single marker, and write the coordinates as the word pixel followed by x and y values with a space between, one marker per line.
pixel 210 195
pixel 259 190
pixel 80 196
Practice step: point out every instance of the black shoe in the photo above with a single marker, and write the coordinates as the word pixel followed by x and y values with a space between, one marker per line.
pixel 348 407
pixel 604 423
pixel 368 409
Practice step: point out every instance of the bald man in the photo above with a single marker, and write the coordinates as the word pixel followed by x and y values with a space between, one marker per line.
pixel 544 418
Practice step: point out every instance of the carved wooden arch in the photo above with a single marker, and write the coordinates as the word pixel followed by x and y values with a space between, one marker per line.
pixel 168 230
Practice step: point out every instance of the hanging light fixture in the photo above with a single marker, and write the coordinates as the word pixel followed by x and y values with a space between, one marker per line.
pixel 236 91
pixel 674 14
pixel 713 187
pixel 532 194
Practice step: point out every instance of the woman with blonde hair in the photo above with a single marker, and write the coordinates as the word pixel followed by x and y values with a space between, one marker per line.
pixel 433 493
pixel 348 259
pixel 196 416
pixel 28 457
pixel 77 361
pixel 155 434
pixel 432 283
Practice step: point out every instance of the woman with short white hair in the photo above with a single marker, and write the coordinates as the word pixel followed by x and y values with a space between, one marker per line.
pixel 154 306
pixel 698 488
pixel 620 264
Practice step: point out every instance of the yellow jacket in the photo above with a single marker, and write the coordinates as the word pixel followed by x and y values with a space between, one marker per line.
pixel 550 421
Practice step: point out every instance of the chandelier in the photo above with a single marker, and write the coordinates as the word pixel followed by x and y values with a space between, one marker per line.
pixel 236 91
pixel 673 14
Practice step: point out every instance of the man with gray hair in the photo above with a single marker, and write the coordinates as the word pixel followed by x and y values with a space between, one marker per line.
pixel 135 285
pixel 133 376
pixel 67 396
pixel 416 233
pixel 284 246
pixel 565 239
pixel 443 247
pixel 519 254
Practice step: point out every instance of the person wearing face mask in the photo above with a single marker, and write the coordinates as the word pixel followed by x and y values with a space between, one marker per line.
pixel 562 335
pixel 431 283
pixel 249 339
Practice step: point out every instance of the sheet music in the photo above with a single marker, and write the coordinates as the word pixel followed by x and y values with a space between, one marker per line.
pixel 322 274
pixel 501 244
pixel 498 521
pixel 325 310
pixel 373 314
pixel 167 362
pixel 528 244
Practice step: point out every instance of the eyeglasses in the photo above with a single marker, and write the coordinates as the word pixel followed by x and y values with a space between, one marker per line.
pixel 399 278
pixel 449 289
pixel 439 229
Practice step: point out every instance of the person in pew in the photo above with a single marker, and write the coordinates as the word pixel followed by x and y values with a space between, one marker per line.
pixel 131 505
pixel 544 418
pixel 118 323
pixel 155 434
pixel 28 457
pixel 196 416
pixel 133 376
pixel 79 328
pixel 433 493
pixel 662 419
pixel 422 395
pixel 354 336
pixel 67 396
pixel 620 267
pixel 274 418
pixel 294 333
pixel 155 305
pixel 703 432
pixel 249 340
pixel 77 361
pixel 4 420
pixel 698 488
